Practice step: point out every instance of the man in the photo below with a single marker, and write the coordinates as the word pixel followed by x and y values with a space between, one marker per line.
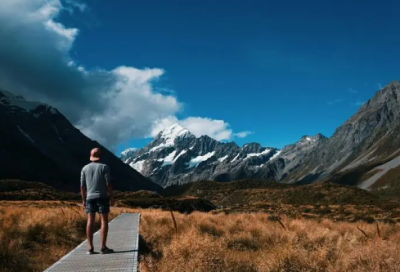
pixel 97 196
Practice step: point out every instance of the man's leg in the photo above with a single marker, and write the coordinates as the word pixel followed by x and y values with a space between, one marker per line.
pixel 104 230
pixel 104 210
pixel 89 229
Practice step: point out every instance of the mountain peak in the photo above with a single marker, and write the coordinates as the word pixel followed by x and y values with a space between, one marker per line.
pixel 320 136
pixel 167 137
pixel 174 131
pixel 394 83
pixel 6 95
pixel 388 90
pixel 383 106
pixel 19 102
pixel 30 126
pixel 308 138
pixel 128 151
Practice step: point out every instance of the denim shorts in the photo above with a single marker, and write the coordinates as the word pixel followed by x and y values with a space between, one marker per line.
pixel 99 205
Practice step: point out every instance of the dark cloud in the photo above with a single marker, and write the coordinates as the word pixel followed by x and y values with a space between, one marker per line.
pixel 109 106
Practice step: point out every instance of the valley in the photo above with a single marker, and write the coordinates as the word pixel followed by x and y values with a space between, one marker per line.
pixel 325 199
pixel 315 201
pixel 216 136
pixel 363 152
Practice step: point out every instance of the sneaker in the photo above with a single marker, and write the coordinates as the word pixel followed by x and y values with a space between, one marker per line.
pixel 106 250
pixel 90 251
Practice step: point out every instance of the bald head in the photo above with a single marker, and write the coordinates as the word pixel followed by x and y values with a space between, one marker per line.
pixel 95 154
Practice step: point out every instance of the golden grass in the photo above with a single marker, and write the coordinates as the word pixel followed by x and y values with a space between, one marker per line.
pixel 205 242
pixel 34 235
pixel 252 242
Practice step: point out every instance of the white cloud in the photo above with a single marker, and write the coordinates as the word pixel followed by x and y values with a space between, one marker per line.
pixel 160 124
pixel 217 129
pixel 243 134
pixel 131 107
pixel 110 106
pixel 379 86
pixel 69 34
pixel 75 4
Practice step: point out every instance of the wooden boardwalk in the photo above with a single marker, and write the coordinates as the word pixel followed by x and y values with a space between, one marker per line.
pixel 123 237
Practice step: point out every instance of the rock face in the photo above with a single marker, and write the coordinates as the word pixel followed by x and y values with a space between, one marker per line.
pixel 37 143
pixel 367 140
pixel 291 159
pixel 370 137
pixel 361 151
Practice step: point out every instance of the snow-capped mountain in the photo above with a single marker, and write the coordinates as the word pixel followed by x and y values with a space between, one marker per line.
pixel 37 143
pixel 364 151
pixel 126 154
pixel 176 156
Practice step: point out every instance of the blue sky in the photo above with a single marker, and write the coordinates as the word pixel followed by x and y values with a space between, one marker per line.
pixel 280 69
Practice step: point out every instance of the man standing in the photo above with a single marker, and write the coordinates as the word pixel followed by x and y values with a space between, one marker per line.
pixel 97 195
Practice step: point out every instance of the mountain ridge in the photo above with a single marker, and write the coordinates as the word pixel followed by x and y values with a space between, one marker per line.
pixel 39 144
pixel 176 156
pixel 369 137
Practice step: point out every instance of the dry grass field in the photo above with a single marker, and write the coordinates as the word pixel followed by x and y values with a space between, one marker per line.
pixel 34 235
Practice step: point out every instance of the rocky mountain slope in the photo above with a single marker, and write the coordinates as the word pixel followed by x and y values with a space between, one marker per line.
pixel 37 143
pixel 361 152
pixel 364 148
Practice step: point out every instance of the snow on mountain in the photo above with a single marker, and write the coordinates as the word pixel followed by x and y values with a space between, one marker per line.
pixel 235 158
pixel 176 156
pixel 138 166
pixel 168 160
pixel 26 134
pixel 370 137
pixel 180 154
pixel 17 102
pixel 223 158
pixel 173 132
pixel 127 151
pixel 276 155
pixel 169 135
pixel 199 159
pixel 266 151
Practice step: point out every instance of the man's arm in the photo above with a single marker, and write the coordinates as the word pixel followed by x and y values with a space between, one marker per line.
pixel 107 177
pixel 83 188
pixel 111 194
pixel 83 194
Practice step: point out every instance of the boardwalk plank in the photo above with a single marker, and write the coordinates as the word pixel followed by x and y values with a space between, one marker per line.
pixel 123 237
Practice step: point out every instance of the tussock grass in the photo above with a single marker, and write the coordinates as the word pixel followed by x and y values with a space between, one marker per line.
pixel 34 236
pixel 254 242
pixel 246 242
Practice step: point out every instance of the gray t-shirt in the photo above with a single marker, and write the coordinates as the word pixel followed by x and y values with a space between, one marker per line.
pixel 95 177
